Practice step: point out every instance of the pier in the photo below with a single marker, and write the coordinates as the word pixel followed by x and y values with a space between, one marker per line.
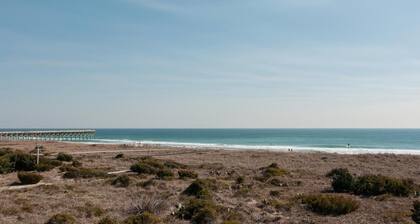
pixel 48 135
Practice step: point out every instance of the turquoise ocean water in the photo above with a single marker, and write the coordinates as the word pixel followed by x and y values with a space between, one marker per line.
pixel 402 141
pixel 330 140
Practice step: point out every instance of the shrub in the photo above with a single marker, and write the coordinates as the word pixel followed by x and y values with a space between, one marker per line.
pixel 145 218
pixel 64 157
pixel 174 165
pixel 148 203
pixel 61 219
pixel 330 204
pixel 121 181
pixel 19 161
pixel 23 161
pixel 92 210
pixel 279 204
pixel 416 212
pixel 200 188
pixel 5 165
pixel 4 151
pixel 185 174
pixel 76 163
pixel 47 164
pixel 273 170
pixel 342 180
pixel 108 220
pixel 240 180
pixel 372 185
pixel 231 222
pixel 83 173
pixel 143 168
pixel 165 174
pixel 198 211
pixel 29 178
pixel 204 216
pixel 147 183
pixel 119 156
pixel 275 193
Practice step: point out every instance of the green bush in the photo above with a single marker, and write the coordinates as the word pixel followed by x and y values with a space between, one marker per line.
pixel 61 219
pixel 144 218
pixel 416 212
pixel 372 185
pixel 198 211
pixel 23 161
pixel 108 220
pixel 231 222
pixel 204 216
pixel 29 178
pixel 275 193
pixel 165 174
pixel 74 172
pixel 4 151
pixel 19 161
pixel 342 180
pixel 121 181
pixel 64 157
pixel 273 170
pixel 174 165
pixel 201 188
pixel 92 210
pixel 119 156
pixel 142 168
pixel 76 163
pixel 47 164
pixel 185 174
pixel 5 165
pixel 330 204
pixel 240 180
pixel 369 185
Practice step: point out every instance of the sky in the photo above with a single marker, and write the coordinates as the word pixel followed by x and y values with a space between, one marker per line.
pixel 209 64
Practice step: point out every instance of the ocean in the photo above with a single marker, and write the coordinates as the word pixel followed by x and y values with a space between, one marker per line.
pixel 349 141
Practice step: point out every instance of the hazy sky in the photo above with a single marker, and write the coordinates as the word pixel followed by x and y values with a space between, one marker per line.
pixel 209 63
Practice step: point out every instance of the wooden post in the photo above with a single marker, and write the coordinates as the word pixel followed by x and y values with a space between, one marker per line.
pixel 37 154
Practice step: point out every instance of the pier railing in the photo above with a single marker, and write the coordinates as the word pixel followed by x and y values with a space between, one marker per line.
pixel 46 135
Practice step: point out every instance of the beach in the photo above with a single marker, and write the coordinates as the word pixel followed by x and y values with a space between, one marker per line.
pixel 306 174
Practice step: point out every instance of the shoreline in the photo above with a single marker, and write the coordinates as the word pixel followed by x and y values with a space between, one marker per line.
pixel 211 146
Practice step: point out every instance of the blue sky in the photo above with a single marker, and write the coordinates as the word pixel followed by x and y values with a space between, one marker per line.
pixel 210 63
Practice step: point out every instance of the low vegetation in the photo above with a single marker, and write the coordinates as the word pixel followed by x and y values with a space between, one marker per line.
pixel 161 168
pixel 29 178
pixel 61 219
pixel 121 181
pixel 74 172
pixel 119 156
pixel 64 157
pixel 13 160
pixel 273 170
pixel 144 218
pixel 342 180
pixel 153 204
pixel 186 174
pixel 370 185
pixel 201 188
pixel 165 174
pixel 91 210
pixel 199 211
pixel 330 204
pixel 108 220
pixel 416 212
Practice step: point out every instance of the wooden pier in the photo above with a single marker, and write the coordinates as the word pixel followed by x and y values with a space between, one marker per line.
pixel 48 135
